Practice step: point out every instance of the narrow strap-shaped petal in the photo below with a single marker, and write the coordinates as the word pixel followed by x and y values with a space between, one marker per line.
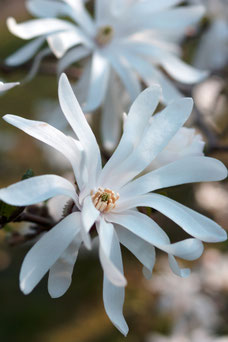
pixel 36 63
pixel 37 189
pixel 54 138
pixel 112 110
pixel 142 250
pixel 135 124
pixel 144 227
pixel 153 6
pixel 78 12
pixel 89 215
pixel 61 42
pixel 151 75
pixel 110 253
pixel 7 86
pixel 161 130
pixel 47 8
pixel 125 72
pixel 113 296
pixel 25 53
pixel 195 224
pixel 60 274
pixel 181 272
pixel 186 170
pixel 73 56
pixel 77 120
pixel 181 71
pixel 37 27
pixel 44 254
pixel 99 78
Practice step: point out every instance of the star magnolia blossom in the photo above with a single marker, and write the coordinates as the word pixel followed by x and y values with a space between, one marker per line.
pixel 212 51
pixel 7 86
pixel 128 38
pixel 109 197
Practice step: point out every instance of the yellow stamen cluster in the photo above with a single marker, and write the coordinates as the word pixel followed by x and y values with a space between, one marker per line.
pixel 104 35
pixel 104 200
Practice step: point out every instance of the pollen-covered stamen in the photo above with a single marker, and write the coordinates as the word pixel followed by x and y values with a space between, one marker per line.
pixel 104 35
pixel 104 200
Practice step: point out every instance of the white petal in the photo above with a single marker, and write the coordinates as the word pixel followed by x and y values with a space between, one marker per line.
pixel 135 124
pixel 140 225
pixel 143 251
pixel 46 8
pixel 100 70
pixel 125 73
pixel 37 27
pixel 113 296
pixel 89 216
pixel 181 71
pixel 110 253
pixel 155 6
pixel 162 128
pixel 111 115
pixel 37 189
pixel 182 171
pixel 195 224
pixel 61 42
pixel 47 251
pixel 36 64
pixel 151 75
pixel 77 120
pixel 60 274
pixel 7 86
pixel 82 17
pixel 25 53
pixel 73 56
pixel 183 273
pixel 53 137
pixel 188 249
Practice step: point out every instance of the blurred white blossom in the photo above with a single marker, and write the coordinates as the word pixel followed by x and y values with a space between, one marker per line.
pixel 108 197
pixel 130 39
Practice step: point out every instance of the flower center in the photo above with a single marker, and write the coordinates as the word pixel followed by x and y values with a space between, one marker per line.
pixel 104 35
pixel 104 200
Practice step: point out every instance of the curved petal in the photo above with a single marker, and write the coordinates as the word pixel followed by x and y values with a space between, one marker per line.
pixel 43 255
pixel 25 53
pixel 182 171
pixel 46 8
pixel 77 120
pixel 99 78
pixel 113 296
pixel 135 124
pixel 37 27
pixel 78 12
pixel 151 75
pixel 161 130
pixel 73 56
pixel 60 273
pixel 36 64
pixel 125 73
pixel 37 189
pixel 181 71
pixel 142 250
pixel 144 227
pixel 195 224
pixel 110 253
pixel 7 86
pixel 89 215
pixel 61 42
pixel 54 138
pixel 181 272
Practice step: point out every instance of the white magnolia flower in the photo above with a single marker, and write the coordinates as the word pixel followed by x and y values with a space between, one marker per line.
pixel 108 197
pixel 7 86
pixel 128 38
pixel 212 52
